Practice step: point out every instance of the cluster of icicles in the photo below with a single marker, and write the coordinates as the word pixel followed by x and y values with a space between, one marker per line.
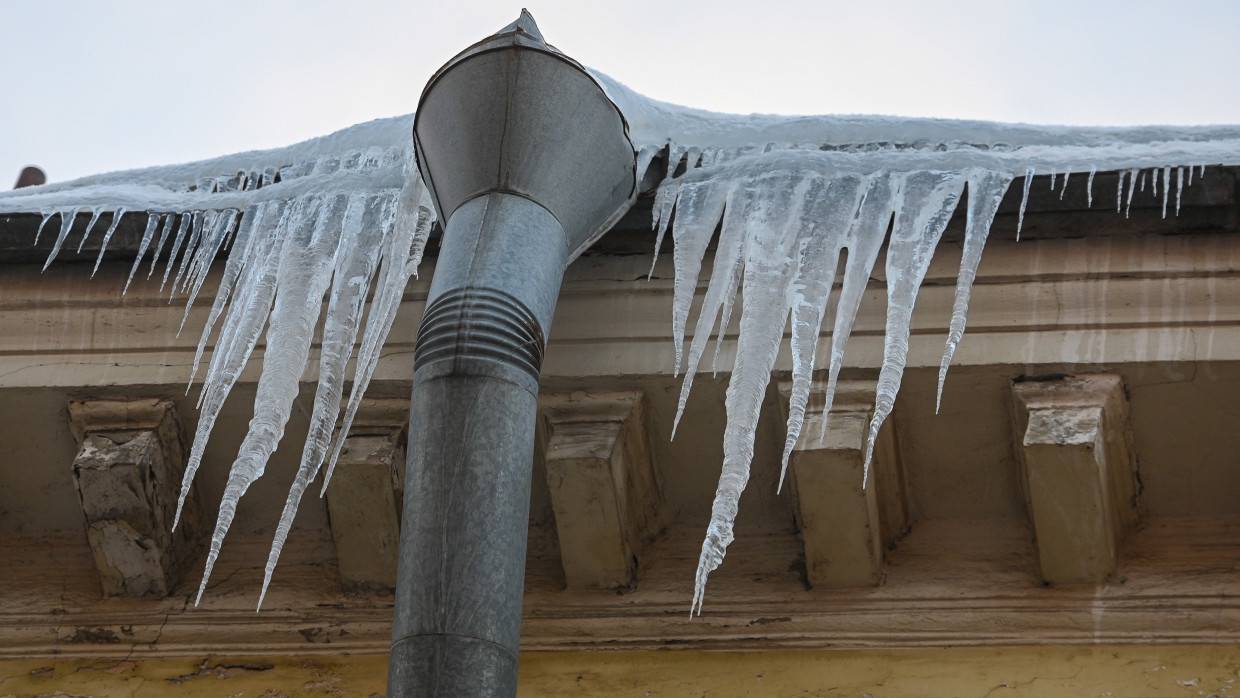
pixel 785 220
pixel 283 258
pixel 352 227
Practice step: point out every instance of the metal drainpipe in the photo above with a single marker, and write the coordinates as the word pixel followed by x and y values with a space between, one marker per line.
pixel 528 162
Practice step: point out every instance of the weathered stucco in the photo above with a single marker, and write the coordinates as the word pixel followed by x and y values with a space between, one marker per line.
pixel 1013 672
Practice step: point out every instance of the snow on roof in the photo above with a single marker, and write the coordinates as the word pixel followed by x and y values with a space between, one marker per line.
pixel 375 156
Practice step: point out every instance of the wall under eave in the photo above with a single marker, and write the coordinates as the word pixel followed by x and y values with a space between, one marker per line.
pixel 1114 671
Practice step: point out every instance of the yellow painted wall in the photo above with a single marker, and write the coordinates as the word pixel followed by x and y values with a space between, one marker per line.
pixel 1041 672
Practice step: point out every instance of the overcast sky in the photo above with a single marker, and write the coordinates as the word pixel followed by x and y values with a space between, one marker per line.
pixel 91 86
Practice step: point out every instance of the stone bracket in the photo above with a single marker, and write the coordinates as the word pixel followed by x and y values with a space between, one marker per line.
pixel 845 529
pixel 603 485
pixel 364 498
pixel 127 473
pixel 1074 446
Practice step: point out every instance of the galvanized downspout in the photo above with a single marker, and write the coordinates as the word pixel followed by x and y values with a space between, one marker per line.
pixel 528 162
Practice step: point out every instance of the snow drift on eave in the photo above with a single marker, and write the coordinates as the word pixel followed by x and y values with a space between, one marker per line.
pixel 790 196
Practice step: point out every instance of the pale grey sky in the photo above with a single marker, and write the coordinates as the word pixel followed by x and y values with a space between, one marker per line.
pixel 94 86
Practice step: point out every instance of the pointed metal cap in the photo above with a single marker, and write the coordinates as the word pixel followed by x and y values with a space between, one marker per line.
pixel 525 23
pixel 513 114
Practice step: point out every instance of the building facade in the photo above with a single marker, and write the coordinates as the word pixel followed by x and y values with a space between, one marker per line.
pixel 1065 525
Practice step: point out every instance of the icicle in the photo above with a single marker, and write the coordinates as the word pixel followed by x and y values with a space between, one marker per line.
pixel 828 217
pixel 1154 181
pixel 244 324
pixel 727 255
pixel 986 190
pixel 201 266
pixel 107 238
pixel 231 236
pixel 699 207
pixel 865 239
pixel 674 154
pixel 1166 178
pixel 1141 181
pixel 725 316
pixel 201 221
pixel 664 201
pixel 66 224
pixel 247 312
pixel 302 279
pixel 1053 175
pixel 176 248
pixel 253 222
pixel 164 232
pixel 644 158
pixel 1089 186
pixel 1190 175
pixel 1064 189
pixel 771 209
pixel 94 218
pixel 214 230
pixel 1119 193
pixel 399 261
pixel 1024 201
pixel 929 198
pixel 1132 188
pixel 151 223
pixel 47 216
pixel 692 157
pixel 361 238
pixel 1179 189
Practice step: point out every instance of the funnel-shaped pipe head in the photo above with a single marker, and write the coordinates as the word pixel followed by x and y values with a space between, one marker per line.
pixel 512 114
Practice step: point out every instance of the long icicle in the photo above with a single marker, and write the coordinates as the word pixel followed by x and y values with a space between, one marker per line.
pixel 864 241
pixel 186 218
pixel 302 281
pixel 412 221
pixel 107 236
pixel 727 254
pixel 731 290
pixel 207 252
pixel 244 324
pixel 1024 201
pixel 66 224
pixel 94 218
pixel 772 208
pixel 152 223
pixel 921 217
pixel 1132 188
pixel 360 241
pixel 201 222
pixel 986 190
pixel 164 232
pixel 243 250
pixel 698 209
pixel 829 216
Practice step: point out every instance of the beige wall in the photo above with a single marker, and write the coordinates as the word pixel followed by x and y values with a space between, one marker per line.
pixel 1113 671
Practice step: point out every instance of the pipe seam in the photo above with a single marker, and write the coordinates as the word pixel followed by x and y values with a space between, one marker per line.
pixel 480 323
